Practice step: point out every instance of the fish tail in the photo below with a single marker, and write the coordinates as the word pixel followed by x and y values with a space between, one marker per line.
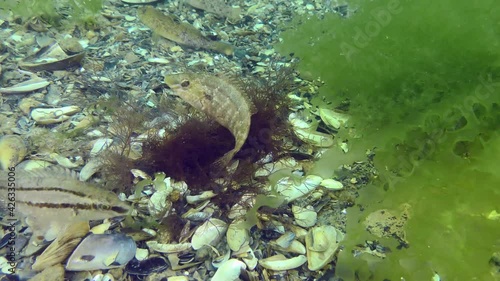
pixel 219 167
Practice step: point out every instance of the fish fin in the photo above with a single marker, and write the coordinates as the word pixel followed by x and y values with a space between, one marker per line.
pixel 53 172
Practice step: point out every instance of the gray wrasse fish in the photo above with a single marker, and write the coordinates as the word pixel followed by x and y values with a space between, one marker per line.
pixel 53 198
pixel 219 99
pixel 173 29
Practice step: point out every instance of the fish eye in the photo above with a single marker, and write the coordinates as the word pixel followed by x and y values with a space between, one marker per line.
pixel 185 83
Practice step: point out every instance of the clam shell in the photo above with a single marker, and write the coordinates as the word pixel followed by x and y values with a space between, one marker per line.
pixel 25 87
pixel 229 270
pixel 322 242
pixel 209 233
pixel 237 236
pixel 52 57
pixel 102 251
pixel 292 191
pixel 45 116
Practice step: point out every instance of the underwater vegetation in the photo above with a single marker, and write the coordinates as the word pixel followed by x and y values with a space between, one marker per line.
pixel 82 11
pixel 188 149
pixel 423 88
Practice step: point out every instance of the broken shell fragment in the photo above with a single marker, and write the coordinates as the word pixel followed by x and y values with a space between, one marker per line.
pixel 193 199
pixel 331 184
pixel 209 233
pixel 229 270
pixel 62 246
pixel 168 248
pixel 102 251
pixel 26 86
pixel 313 137
pixel 47 116
pixel 322 243
pixel 12 151
pixel 305 217
pixel 280 262
pixel 332 118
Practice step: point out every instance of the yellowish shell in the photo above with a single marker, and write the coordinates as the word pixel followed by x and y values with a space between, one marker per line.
pixel 12 151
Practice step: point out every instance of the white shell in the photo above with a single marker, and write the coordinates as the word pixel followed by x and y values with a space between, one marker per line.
pixel 332 184
pixel 332 118
pixel 313 137
pixel 46 116
pixel 291 191
pixel 193 199
pixel 247 255
pixel 92 166
pixel 285 240
pixel 305 217
pixel 100 145
pixel 229 271
pixel 168 248
pixel 280 262
pixel 209 233
pixel 26 86
pixel 141 254
pixel 237 236
pixel 322 242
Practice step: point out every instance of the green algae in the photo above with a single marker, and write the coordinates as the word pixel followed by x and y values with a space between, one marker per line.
pixel 424 89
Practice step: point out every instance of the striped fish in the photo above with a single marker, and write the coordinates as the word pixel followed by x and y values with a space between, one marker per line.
pixel 51 199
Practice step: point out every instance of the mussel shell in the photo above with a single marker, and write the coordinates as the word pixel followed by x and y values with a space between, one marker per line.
pixel 146 267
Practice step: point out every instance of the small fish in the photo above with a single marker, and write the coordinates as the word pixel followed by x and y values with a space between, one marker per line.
pixel 218 7
pixel 51 199
pixel 219 99
pixel 183 33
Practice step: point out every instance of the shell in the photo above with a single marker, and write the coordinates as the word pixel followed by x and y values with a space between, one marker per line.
pixel 332 118
pixel 305 217
pixel 332 184
pixel 280 262
pixel 12 151
pixel 26 86
pixel 313 137
pixel 168 248
pixel 237 236
pixel 229 271
pixel 209 233
pixel 322 243
pixel 45 116
pixel 102 251
pixel 285 240
pixel 292 191
pixel 193 199
pixel 52 57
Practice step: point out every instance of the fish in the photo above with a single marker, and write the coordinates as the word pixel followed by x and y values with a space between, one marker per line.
pixel 173 29
pixel 218 7
pixel 51 199
pixel 220 99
